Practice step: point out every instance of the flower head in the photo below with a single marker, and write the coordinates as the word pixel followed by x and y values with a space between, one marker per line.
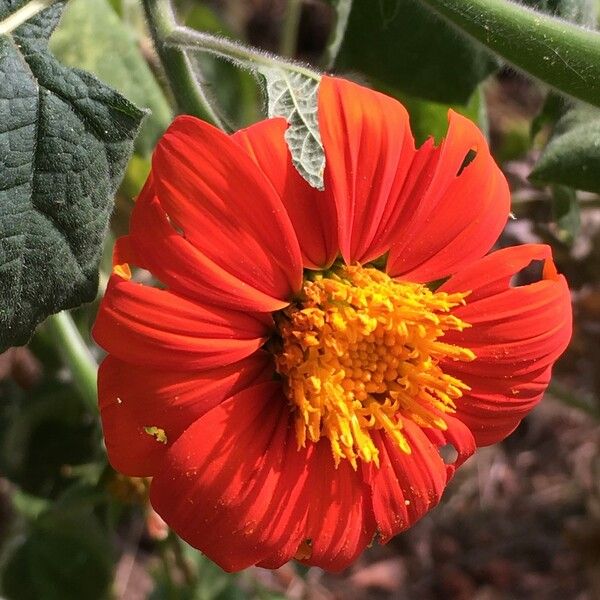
pixel 291 381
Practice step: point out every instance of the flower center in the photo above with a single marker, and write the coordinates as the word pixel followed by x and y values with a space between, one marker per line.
pixel 361 351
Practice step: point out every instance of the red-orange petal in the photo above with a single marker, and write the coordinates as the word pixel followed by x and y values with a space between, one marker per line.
pixel 340 522
pixel 517 334
pixel 136 400
pixel 230 485
pixel 405 486
pixel 157 246
pixel 236 486
pixel 449 217
pixel 369 149
pixel 214 193
pixel 311 211
pixel 158 328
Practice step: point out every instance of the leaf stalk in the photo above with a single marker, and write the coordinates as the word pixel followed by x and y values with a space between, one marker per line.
pixel 190 96
pixel 76 355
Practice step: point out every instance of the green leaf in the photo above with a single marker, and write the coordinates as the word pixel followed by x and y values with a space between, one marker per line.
pixel 294 97
pixel 431 118
pixel 65 139
pixel 65 556
pixel 92 37
pixel 572 156
pixel 401 44
pixel 559 53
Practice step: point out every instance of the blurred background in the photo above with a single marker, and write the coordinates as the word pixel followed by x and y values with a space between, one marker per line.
pixel 520 520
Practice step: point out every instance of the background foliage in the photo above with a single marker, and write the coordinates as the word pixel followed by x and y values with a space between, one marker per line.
pixel 81 108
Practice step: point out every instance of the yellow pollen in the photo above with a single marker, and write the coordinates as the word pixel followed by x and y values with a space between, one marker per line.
pixel 360 352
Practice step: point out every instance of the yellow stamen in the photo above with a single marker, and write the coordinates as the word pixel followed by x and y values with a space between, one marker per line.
pixel 360 351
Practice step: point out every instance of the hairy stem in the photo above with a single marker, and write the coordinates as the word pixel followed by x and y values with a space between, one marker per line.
pixel 190 96
pixel 245 56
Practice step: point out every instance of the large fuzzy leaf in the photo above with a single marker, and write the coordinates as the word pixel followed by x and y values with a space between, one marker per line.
pixel 65 139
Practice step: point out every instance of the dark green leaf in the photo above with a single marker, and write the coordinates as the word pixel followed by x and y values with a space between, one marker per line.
pixel 572 156
pixel 64 142
pixel 41 431
pixel 65 556
pixel 402 45
pixel 92 37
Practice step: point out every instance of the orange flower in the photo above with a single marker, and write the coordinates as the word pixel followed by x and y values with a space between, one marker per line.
pixel 290 383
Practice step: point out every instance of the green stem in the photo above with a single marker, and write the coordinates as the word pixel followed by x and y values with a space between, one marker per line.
pixel 245 56
pixel 189 94
pixel 77 356
pixel 289 34
pixel 24 14
pixel 555 51
pixel 342 14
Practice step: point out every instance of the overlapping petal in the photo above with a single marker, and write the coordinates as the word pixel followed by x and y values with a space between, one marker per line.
pixel 449 215
pixel 230 484
pixel 152 327
pixel 517 334
pixel 311 211
pixel 236 486
pixel 406 486
pixel 156 245
pixel 244 249
pixel 136 400
pixel 369 149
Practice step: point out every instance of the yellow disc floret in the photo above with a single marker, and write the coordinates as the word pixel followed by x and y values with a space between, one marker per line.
pixel 360 351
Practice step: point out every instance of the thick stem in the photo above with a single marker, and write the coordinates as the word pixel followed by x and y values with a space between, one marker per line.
pixel 555 51
pixel 24 14
pixel 289 34
pixel 245 56
pixel 76 355
pixel 189 95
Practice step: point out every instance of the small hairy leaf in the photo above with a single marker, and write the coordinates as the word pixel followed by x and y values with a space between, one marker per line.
pixel 65 139
pixel 294 96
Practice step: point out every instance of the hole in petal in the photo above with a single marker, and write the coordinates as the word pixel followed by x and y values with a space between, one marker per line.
pixel 532 273
pixel 448 453
pixel 469 158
